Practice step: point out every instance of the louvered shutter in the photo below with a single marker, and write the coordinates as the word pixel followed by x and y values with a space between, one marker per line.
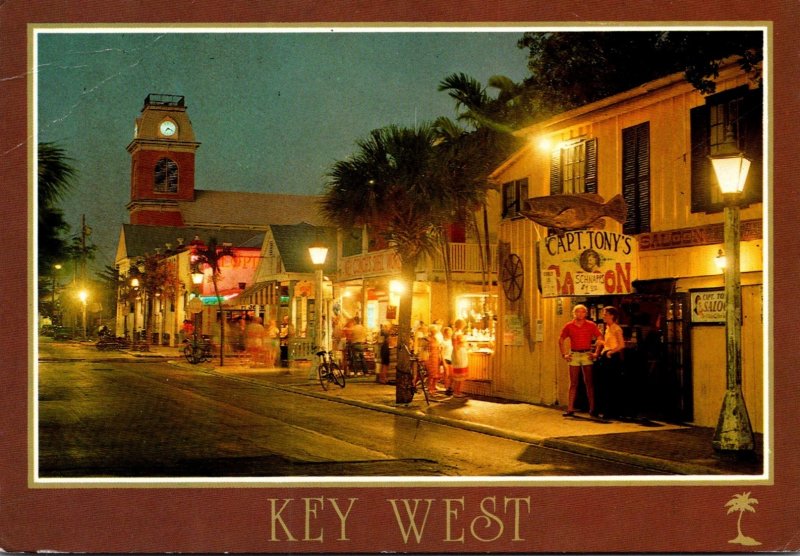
pixel 555 172
pixel 636 177
pixel 700 165
pixel 590 177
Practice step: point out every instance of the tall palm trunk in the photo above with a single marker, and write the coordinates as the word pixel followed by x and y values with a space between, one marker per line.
pixel 221 320
pixel 404 385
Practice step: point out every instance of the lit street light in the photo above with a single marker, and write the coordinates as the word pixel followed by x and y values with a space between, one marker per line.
pixel 318 254
pixel 56 268
pixel 734 434
pixel 83 295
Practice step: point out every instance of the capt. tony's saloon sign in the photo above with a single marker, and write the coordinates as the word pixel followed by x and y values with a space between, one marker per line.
pixel 587 262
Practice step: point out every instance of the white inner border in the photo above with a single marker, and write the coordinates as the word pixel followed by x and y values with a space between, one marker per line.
pixel 767 273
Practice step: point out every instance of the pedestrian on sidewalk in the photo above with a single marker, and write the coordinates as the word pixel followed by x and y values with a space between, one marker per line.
pixel 447 359
pixel 434 360
pixel 608 372
pixel 580 356
pixel 285 333
pixel 254 336
pixel 460 358
pixel 271 343
pixel 385 354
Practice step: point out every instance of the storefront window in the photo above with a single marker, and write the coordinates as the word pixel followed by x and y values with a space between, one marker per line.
pixel 479 312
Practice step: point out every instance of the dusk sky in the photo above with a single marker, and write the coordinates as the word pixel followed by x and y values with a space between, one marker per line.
pixel 272 110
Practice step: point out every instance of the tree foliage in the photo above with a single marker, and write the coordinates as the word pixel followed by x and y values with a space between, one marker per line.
pixel 55 178
pixel 569 69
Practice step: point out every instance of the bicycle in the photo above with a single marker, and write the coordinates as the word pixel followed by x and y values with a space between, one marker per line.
pixel 197 350
pixel 328 371
pixel 419 375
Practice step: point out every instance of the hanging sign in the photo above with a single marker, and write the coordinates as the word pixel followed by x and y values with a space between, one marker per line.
pixel 587 262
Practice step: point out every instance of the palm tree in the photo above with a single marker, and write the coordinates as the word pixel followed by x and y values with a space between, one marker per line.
pixel 212 255
pixel 742 503
pixel 485 142
pixel 55 178
pixel 392 185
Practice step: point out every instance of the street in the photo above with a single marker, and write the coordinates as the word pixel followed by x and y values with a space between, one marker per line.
pixel 104 415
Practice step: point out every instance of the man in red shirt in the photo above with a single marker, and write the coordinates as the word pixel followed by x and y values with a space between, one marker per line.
pixel 580 355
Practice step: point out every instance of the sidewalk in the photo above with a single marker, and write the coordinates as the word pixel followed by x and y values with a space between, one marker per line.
pixel 664 448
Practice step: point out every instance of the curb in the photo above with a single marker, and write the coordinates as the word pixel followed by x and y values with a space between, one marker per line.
pixel 646 462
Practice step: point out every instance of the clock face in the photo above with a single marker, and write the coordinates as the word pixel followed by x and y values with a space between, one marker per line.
pixel 168 128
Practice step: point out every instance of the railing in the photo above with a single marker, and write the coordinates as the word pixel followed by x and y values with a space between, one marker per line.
pixel 466 257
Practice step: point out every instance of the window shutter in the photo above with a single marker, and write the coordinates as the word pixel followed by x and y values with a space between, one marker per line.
pixel 555 172
pixel 636 177
pixel 590 178
pixel 700 165
pixel 751 143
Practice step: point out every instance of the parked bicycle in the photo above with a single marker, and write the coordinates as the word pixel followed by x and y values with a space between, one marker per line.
pixel 419 375
pixel 197 349
pixel 328 371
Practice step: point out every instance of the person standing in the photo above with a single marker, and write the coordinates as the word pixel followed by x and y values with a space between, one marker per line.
pixel 447 359
pixel 434 360
pixel 385 354
pixel 285 333
pixel 580 356
pixel 609 375
pixel 254 333
pixel 272 343
pixel 460 358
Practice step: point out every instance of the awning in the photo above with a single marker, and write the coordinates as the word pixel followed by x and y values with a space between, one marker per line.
pixel 261 293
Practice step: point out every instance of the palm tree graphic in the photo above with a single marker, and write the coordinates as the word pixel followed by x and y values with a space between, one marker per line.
pixel 742 503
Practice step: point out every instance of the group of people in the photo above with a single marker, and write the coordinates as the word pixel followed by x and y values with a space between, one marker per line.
pixel 443 349
pixel 582 345
pixel 248 334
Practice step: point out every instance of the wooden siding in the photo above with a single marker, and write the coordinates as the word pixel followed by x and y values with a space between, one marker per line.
pixel 533 372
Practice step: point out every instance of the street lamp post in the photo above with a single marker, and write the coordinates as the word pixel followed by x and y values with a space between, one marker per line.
pixel 318 254
pixel 83 295
pixel 135 286
pixel 56 268
pixel 734 434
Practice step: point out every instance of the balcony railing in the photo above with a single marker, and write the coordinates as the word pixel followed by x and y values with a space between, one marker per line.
pixel 466 257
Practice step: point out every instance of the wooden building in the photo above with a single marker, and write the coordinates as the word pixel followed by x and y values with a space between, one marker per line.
pixel 650 145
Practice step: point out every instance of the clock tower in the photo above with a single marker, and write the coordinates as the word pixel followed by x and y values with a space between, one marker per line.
pixel 162 161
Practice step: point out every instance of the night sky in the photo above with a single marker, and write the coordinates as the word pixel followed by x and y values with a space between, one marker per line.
pixel 273 110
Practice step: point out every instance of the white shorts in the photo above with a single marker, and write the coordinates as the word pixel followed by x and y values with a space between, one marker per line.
pixel 580 359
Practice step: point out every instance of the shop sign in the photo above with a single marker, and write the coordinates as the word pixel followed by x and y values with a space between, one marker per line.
pixel 379 263
pixel 707 306
pixel 587 262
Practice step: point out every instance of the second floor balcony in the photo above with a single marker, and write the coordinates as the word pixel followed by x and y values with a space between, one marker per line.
pixel 467 262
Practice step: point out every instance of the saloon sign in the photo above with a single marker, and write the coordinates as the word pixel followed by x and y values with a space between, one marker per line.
pixel 587 262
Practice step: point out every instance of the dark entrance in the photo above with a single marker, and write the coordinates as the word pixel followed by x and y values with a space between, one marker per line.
pixel 657 381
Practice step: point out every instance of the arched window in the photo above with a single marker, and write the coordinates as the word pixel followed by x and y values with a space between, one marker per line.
pixel 166 176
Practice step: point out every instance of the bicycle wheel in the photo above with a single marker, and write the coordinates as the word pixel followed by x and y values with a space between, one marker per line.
pixel 337 375
pixel 324 375
pixel 188 352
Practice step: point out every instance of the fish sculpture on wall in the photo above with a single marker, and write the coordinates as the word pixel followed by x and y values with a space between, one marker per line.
pixel 574 212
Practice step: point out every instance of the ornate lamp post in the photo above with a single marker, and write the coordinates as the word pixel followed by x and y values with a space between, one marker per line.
pixel 135 285
pixel 734 434
pixel 318 254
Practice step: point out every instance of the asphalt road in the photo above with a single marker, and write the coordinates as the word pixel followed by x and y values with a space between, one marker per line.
pixel 123 418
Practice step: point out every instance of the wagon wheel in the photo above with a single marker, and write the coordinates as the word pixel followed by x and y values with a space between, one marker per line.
pixel 512 276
